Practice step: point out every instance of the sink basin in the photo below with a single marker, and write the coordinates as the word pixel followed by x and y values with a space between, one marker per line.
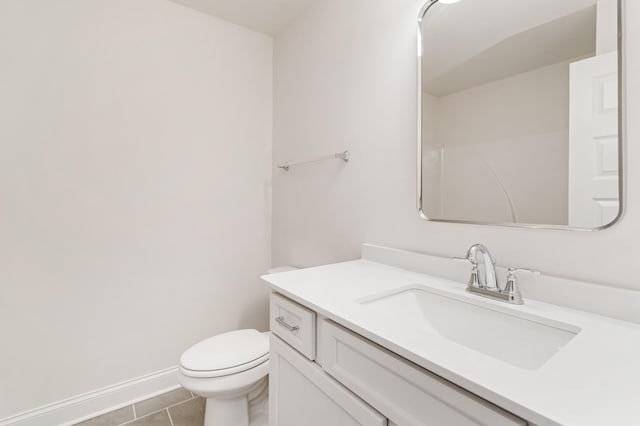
pixel 520 339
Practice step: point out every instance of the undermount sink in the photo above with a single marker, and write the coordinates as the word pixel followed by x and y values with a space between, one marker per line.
pixel 520 339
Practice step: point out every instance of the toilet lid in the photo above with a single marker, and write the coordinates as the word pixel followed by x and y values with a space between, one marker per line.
pixel 226 351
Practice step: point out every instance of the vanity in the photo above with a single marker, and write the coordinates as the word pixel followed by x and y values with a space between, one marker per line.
pixel 520 118
pixel 369 343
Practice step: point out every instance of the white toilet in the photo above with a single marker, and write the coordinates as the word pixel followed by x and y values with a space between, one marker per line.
pixel 230 370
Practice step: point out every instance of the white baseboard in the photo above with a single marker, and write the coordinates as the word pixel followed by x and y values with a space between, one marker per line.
pixel 91 404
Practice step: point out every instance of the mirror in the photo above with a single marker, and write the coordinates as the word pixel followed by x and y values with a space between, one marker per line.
pixel 520 113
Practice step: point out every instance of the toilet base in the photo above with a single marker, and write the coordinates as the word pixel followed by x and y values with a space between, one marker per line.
pixel 250 409
pixel 259 404
pixel 221 412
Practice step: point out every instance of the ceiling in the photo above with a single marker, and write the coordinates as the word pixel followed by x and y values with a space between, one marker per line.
pixel 265 16
pixel 467 44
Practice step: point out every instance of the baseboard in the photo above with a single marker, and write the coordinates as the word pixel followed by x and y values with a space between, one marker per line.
pixel 88 405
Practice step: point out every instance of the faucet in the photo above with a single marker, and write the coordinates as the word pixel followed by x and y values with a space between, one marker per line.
pixel 488 286
pixel 489 281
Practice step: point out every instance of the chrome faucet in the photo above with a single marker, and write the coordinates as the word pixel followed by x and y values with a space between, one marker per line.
pixel 489 281
pixel 488 286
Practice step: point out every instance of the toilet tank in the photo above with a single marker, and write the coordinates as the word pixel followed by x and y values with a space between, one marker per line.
pixel 281 269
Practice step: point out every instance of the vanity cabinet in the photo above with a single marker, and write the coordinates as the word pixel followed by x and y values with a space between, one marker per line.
pixel 349 380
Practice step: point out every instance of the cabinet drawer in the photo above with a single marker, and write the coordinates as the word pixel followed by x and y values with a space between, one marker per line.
pixel 404 392
pixel 294 324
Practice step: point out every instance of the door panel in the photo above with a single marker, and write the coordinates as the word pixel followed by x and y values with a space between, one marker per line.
pixel 593 142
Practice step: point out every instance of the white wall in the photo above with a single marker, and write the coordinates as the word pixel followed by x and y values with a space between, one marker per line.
pixel 432 157
pixel 531 103
pixel 607 31
pixel 134 190
pixel 501 133
pixel 345 77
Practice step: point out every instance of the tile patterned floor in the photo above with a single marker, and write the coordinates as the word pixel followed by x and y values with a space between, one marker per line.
pixel 176 408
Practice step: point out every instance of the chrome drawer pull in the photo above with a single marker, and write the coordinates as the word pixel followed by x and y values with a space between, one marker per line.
pixel 282 322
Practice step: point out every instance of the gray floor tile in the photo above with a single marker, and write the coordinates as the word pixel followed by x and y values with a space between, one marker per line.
pixel 161 418
pixel 190 413
pixel 113 418
pixel 161 401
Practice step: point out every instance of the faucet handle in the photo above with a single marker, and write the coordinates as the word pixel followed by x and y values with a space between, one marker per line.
pixel 530 271
pixel 511 288
pixel 474 279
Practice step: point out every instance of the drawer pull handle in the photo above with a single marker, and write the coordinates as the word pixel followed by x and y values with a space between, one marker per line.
pixel 282 322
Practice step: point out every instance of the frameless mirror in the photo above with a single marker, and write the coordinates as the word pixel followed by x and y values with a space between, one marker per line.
pixel 520 113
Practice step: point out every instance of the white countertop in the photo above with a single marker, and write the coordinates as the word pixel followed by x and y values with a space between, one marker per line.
pixel 593 380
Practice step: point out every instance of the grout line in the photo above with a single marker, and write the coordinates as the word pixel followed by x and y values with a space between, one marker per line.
pixel 131 421
pixel 178 403
pixel 135 414
pixel 159 410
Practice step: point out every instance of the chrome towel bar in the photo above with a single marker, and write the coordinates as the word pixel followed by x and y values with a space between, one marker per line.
pixel 344 156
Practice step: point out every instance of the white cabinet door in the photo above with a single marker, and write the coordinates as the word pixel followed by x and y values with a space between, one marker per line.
pixel 300 393
pixel 404 392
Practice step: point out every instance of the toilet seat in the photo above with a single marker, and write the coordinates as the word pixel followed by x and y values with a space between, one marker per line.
pixel 225 371
pixel 225 354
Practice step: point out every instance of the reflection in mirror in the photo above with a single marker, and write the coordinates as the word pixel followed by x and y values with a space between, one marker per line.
pixel 520 112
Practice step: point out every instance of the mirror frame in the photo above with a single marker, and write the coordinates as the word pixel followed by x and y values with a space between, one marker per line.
pixel 621 138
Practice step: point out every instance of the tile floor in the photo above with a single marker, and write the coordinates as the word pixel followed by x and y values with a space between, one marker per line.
pixel 176 408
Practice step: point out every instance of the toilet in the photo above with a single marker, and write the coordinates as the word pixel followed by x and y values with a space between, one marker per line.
pixel 230 370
